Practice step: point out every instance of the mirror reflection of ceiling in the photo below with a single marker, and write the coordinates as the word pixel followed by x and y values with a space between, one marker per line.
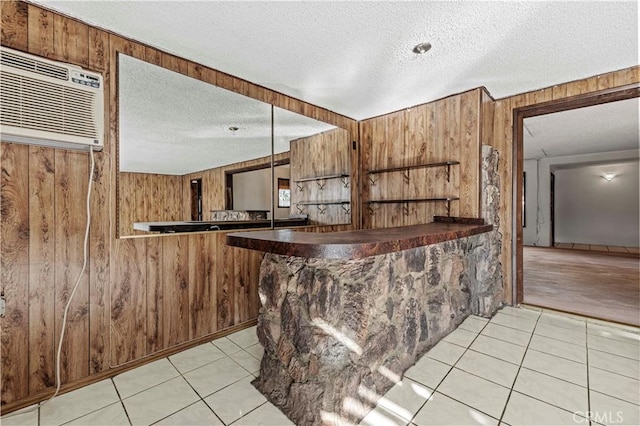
pixel 174 124
pixel 355 57
pixel 288 126
pixel 600 128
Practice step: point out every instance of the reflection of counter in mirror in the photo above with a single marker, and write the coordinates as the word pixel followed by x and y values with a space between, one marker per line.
pixel 220 225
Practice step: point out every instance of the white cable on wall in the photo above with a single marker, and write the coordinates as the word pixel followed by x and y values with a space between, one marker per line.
pixel 75 287
pixel 73 292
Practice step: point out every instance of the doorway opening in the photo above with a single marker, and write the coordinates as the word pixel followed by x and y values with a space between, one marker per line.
pixel 196 199
pixel 566 148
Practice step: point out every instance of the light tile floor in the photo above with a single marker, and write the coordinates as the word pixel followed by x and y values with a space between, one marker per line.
pixel 524 366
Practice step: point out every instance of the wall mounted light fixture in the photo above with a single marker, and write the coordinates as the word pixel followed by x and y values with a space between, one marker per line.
pixel 608 176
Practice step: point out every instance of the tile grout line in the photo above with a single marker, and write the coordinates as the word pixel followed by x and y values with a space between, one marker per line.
pixel 449 372
pixel 126 413
pixel 202 398
pixel 515 379
pixel 251 411
pixel 542 373
pixel 184 408
pixel 196 392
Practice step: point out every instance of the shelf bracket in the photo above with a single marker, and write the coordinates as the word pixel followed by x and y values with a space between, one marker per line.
pixel 371 209
pixel 321 209
pixel 448 172
pixel 448 207
pixel 405 175
pixel 372 181
pixel 300 186
pixel 405 209
pixel 321 183
pixel 300 209
pixel 345 181
pixel 345 208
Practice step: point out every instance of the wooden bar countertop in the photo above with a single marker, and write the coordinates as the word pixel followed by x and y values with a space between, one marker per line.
pixel 359 243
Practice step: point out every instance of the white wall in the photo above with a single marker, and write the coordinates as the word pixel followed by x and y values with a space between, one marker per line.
pixel 590 210
pixel 529 232
pixel 251 190
pixel 540 234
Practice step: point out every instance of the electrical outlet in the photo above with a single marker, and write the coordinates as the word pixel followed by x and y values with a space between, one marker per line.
pixel 3 304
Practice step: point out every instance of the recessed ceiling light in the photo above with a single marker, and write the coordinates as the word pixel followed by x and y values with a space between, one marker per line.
pixel 234 129
pixel 422 48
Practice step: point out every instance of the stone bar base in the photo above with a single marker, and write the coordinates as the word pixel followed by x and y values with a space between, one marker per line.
pixel 338 332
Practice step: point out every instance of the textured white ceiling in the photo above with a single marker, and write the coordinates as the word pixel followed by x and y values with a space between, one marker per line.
pixel 173 124
pixel 355 58
pixel 601 128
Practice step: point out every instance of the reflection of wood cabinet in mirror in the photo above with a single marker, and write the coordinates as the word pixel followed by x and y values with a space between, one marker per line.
pixel 320 172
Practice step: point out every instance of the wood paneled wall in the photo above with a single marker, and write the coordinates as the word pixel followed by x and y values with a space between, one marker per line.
pixel 172 289
pixel 138 296
pixel 444 130
pixel 503 142
pixel 150 197
pixel 324 154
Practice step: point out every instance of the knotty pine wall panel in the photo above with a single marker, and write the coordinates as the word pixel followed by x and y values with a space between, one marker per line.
pixel 100 244
pixel 128 293
pixel 150 197
pixel 443 130
pixel 15 17
pixel 14 223
pixel 41 272
pixel 203 264
pixel 175 290
pixel 120 314
pixel 503 142
pixel 70 212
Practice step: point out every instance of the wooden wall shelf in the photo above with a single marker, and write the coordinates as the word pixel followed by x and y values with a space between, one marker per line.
pixel 322 205
pixel 320 180
pixel 446 164
pixel 322 177
pixel 448 200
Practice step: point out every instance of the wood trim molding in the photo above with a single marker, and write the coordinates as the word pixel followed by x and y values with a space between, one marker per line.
pixel 115 370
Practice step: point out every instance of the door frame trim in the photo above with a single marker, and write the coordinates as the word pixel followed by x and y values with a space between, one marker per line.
pixel 519 114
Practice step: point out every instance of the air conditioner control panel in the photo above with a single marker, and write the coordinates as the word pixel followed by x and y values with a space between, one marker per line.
pixel 86 79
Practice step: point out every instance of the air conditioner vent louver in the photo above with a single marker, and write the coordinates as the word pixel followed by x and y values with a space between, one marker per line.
pixel 39 67
pixel 26 102
pixel 50 103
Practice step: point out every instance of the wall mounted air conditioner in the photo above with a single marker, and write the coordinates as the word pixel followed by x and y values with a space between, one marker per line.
pixel 49 103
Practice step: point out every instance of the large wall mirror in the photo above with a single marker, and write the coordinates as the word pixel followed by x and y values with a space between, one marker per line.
pixel 190 151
